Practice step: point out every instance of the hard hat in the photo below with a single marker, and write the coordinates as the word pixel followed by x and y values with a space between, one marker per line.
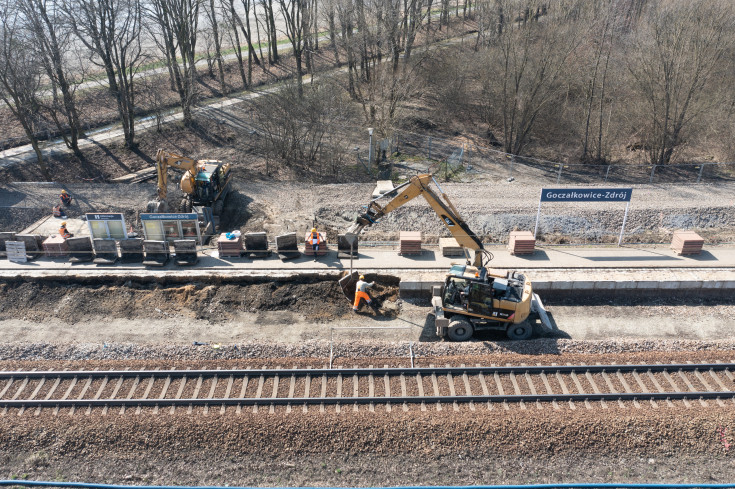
pixel 63 191
pixel 63 223
pixel 313 230
pixel 362 277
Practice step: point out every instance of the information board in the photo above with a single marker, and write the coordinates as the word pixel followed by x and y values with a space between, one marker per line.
pixel 168 226
pixel 107 226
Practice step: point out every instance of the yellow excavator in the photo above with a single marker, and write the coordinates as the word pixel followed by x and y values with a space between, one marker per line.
pixel 472 297
pixel 204 183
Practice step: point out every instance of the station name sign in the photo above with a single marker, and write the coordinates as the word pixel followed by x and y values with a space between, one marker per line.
pixel 586 194
pixel 104 217
pixel 165 216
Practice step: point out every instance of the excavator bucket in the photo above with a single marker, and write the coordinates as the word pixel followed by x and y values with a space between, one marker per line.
pixel 157 206
pixel 348 284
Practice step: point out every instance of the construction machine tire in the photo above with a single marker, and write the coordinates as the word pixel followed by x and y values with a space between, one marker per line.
pixel 460 330
pixel 520 331
pixel 185 205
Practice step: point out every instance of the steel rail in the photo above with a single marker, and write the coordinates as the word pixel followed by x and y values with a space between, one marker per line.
pixel 265 401
pixel 299 372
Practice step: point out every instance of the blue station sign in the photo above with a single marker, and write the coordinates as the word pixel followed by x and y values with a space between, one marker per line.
pixel 104 217
pixel 586 194
pixel 172 216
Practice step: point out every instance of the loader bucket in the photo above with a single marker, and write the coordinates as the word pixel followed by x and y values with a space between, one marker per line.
pixel 348 284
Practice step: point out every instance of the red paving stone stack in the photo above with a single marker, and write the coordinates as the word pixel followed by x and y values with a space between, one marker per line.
pixel 521 243
pixel 229 247
pixel 309 251
pixel 55 245
pixel 410 243
pixel 687 242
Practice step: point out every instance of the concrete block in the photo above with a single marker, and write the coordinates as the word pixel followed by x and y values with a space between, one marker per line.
pixel 561 285
pixel 131 250
pixel 286 242
pixel 33 243
pixel 690 284
pixel 668 285
pixel 80 249
pixel 287 246
pixel 156 253
pixel 712 284
pixel 3 238
pixel 256 245
pixel 647 284
pixel 728 284
pixel 583 285
pixel 343 246
pixel 605 285
pixel 105 251
pixel 627 285
pixel 382 187
pixel 186 252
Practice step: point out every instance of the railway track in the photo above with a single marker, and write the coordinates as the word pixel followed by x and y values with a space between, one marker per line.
pixel 688 383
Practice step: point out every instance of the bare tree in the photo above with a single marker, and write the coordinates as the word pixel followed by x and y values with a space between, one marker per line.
pixel 20 77
pixel 296 15
pixel 51 42
pixel 176 24
pixel 526 64
pixel 302 127
pixel 211 11
pixel 112 29
pixel 675 57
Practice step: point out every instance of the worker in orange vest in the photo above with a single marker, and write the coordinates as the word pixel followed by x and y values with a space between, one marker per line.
pixel 63 232
pixel 65 198
pixel 361 293
pixel 59 212
pixel 315 239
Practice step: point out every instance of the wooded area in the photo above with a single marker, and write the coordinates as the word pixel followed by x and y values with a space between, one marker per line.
pixel 570 78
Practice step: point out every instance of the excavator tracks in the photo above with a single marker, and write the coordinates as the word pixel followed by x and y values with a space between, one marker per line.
pixel 99 391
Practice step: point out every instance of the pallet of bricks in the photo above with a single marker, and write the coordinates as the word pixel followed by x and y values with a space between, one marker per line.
pixel 309 251
pixel 687 243
pixel 410 243
pixel 229 247
pixel 521 243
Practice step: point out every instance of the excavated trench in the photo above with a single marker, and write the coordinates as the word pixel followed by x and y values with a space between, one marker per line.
pixel 218 299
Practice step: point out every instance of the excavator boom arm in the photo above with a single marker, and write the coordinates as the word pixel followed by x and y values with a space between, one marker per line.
pixel 419 185
pixel 164 159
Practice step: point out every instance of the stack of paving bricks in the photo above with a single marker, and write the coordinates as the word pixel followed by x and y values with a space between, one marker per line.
pixel 450 247
pixel 55 245
pixel 410 243
pixel 687 243
pixel 521 243
pixel 229 247
pixel 309 251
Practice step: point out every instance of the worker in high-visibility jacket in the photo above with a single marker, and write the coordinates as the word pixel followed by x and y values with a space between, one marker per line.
pixel 65 198
pixel 315 239
pixel 361 293
pixel 63 232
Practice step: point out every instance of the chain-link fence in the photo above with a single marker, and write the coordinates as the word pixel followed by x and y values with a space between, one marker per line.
pixel 409 153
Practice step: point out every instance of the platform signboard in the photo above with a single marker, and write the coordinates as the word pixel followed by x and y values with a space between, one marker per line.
pixel 586 194
pixel 169 226
pixel 592 194
pixel 16 251
pixel 106 225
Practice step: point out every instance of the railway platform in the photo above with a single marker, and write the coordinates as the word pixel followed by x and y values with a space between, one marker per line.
pixel 626 270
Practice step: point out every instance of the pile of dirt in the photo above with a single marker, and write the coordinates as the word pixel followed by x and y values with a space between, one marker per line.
pixel 320 300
